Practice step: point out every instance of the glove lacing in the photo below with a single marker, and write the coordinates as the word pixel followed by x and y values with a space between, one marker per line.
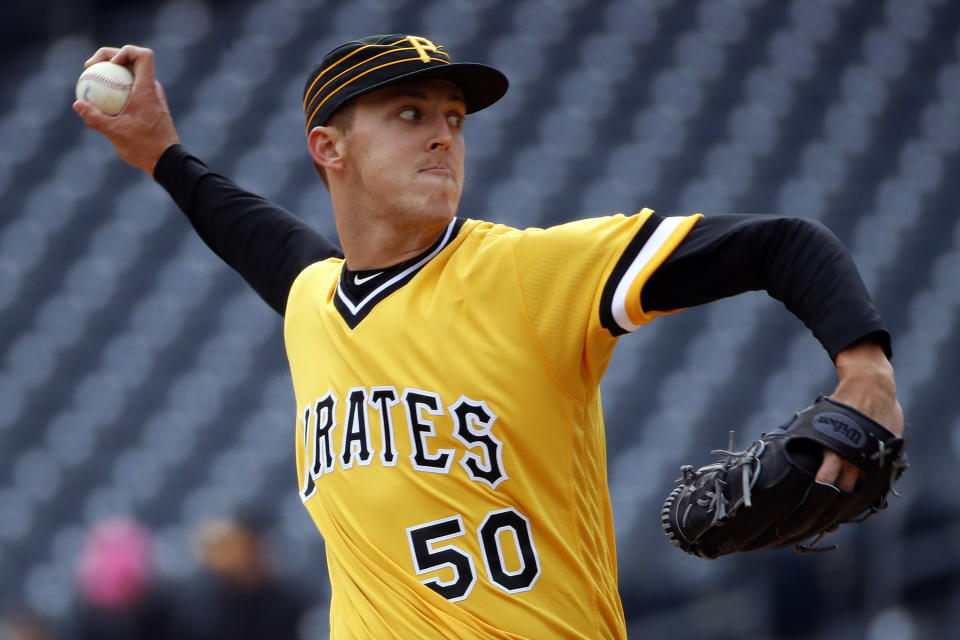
pixel 897 468
pixel 713 499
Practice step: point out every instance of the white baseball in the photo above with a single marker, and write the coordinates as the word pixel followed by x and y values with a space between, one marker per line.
pixel 105 85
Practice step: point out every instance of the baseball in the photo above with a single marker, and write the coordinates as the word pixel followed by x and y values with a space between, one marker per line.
pixel 105 85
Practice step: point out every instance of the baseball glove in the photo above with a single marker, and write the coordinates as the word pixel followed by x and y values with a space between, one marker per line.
pixel 766 496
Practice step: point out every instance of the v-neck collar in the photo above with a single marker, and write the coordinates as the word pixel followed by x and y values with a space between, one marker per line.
pixel 358 292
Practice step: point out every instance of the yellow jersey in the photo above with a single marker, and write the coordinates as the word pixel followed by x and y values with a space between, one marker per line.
pixel 449 439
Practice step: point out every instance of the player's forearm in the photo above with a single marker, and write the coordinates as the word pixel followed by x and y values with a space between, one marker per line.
pixel 814 275
pixel 796 261
pixel 266 244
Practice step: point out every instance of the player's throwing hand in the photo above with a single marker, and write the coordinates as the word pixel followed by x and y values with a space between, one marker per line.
pixel 144 129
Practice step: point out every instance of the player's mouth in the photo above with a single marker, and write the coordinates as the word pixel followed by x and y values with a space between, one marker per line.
pixel 437 170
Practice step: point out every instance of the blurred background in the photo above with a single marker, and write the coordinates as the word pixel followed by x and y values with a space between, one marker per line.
pixel 147 414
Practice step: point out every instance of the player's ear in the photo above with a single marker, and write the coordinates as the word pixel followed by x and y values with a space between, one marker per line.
pixel 326 147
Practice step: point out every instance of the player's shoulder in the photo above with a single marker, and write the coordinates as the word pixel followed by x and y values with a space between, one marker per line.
pixel 327 267
pixel 316 274
pixel 489 232
pixel 591 228
pixel 485 231
pixel 481 237
pixel 599 232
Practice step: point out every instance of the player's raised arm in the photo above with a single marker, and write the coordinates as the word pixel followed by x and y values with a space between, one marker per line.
pixel 266 244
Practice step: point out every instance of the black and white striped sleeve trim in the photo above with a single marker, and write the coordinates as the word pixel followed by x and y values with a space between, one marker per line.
pixel 620 308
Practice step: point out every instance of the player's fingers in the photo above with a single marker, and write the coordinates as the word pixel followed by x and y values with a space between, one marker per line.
pixel 829 471
pixel 129 53
pixel 140 60
pixel 835 471
pixel 91 116
pixel 103 53
pixel 849 477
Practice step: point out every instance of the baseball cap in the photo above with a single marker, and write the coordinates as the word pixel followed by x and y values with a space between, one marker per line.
pixel 360 66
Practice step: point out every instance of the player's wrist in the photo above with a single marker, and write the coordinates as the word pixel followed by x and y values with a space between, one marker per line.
pixel 866 363
pixel 866 382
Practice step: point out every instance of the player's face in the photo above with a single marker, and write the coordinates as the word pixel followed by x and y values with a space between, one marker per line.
pixel 405 148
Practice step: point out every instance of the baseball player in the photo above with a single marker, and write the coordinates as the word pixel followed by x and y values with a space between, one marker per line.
pixel 449 433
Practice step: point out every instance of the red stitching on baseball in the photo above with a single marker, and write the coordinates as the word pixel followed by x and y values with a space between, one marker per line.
pixel 110 82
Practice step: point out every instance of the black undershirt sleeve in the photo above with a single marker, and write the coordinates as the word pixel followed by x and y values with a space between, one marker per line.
pixel 266 244
pixel 799 262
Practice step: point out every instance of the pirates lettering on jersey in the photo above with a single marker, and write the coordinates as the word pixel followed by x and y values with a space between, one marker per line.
pixel 468 415
pixel 383 399
pixel 322 416
pixel 467 421
pixel 417 403
pixel 356 435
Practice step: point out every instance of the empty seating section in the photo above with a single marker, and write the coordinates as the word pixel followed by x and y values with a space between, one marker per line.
pixel 141 376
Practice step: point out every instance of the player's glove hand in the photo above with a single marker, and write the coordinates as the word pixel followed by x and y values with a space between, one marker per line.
pixel 767 496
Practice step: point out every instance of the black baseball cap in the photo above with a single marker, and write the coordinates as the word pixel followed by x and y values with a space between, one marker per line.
pixel 360 66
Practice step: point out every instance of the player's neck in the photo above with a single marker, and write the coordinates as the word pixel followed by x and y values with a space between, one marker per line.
pixel 373 244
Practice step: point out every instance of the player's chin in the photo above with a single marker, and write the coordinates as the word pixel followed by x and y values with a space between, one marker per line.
pixel 442 196
pixel 433 213
pixel 440 186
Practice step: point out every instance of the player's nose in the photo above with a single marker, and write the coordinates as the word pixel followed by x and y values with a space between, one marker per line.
pixel 441 135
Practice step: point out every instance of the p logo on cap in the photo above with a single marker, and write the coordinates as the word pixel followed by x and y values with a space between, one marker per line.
pixel 422 45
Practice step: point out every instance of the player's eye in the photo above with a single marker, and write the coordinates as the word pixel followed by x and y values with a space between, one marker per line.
pixel 410 114
pixel 455 121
